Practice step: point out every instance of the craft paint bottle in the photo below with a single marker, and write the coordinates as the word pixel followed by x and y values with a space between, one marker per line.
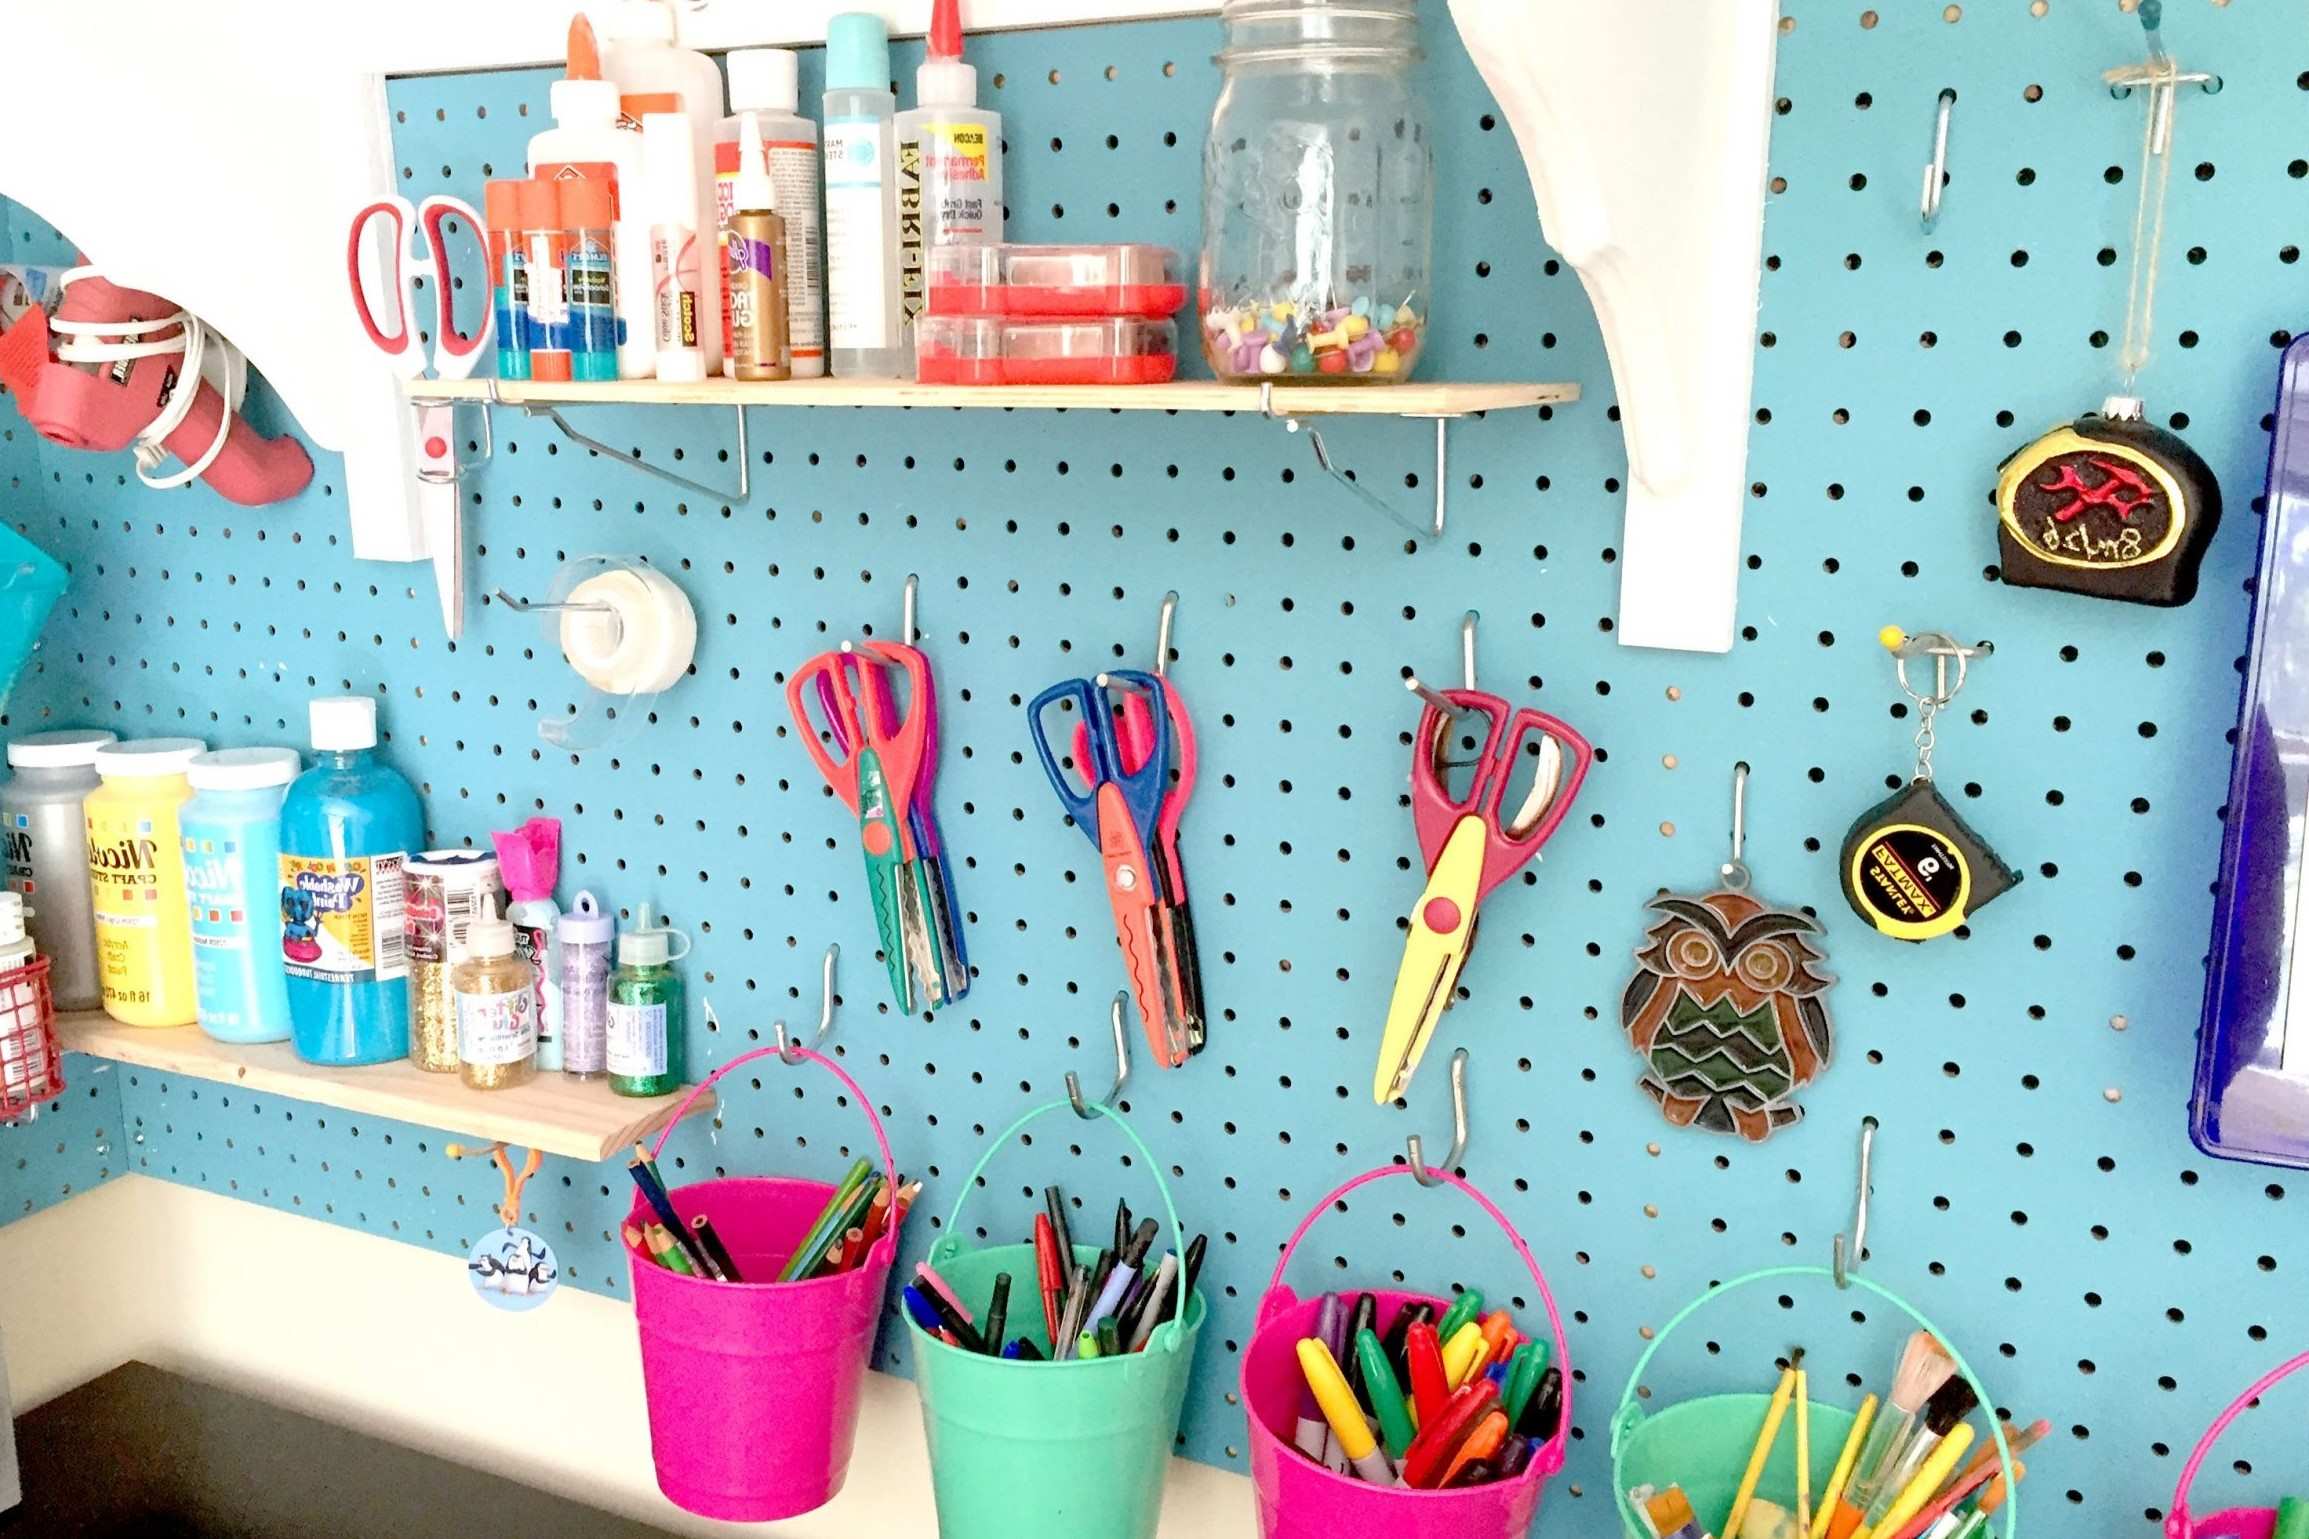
pixel 670 204
pixel 232 855
pixel 589 276
pixel 445 891
pixel 756 280
pixel 582 940
pixel 949 159
pixel 766 82
pixel 864 320
pixel 136 881
pixel 347 829
pixel 496 994
pixel 47 825
pixel 508 277
pixel 646 1019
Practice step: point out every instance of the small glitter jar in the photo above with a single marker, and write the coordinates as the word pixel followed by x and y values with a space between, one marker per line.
pixel 444 894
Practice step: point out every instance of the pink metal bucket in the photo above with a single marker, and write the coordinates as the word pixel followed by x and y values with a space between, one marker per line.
pixel 1300 1499
pixel 753 1386
pixel 2236 1522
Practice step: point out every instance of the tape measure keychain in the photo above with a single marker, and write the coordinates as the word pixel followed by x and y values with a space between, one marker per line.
pixel 1910 866
pixel 2111 505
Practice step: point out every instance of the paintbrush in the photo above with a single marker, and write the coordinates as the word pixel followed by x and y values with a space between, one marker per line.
pixel 1923 1368
pixel 1903 1488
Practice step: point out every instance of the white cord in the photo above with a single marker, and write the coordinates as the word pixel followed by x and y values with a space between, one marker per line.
pixel 111 341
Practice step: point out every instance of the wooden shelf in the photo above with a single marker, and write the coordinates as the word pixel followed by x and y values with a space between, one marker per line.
pixel 1412 400
pixel 577 1118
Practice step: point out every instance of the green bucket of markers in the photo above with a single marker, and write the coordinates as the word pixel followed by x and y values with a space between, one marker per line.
pixel 1077 1448
pixel 1704 1444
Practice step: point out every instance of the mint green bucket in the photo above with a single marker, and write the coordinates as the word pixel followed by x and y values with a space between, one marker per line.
pixel 1078 1449
pixel 1703 1445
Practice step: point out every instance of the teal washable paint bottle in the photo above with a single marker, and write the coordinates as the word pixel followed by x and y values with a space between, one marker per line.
pixel 646 1019
pixel 232 857
pixel 347 828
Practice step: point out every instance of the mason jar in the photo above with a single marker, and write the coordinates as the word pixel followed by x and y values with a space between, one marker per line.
pixel 1318 195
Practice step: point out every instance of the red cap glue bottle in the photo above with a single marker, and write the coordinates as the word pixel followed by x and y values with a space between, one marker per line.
pixel 949 156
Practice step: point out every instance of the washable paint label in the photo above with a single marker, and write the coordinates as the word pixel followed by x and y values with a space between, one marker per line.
pixel 513 1269
pixel 497 1028
pixel 636 1040
pixel 216 886
pixel 857 233
pixel 342 921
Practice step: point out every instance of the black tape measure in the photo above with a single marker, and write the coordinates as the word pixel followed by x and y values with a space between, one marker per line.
pixel 1914 869
pixel 2111 506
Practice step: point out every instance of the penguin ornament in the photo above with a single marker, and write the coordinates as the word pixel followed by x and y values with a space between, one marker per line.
pixel 1725 1007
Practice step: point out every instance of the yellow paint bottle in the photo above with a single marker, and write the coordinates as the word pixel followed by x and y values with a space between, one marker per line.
pixel 136 881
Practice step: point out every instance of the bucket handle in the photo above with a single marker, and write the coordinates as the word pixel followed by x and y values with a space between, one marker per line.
pixel 889 1239
pixel 1630 1414
pixel 2177 1523
pixel 1549 1459
pixel 1167 1334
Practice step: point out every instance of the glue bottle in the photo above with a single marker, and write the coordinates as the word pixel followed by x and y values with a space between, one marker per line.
pixel 653 75
pixel 586 144
pixel 949 158
pixel 646 1020
pixel 864 319
pixel 670 204
pixel 496 994
pixel 755 282
pixel 766 82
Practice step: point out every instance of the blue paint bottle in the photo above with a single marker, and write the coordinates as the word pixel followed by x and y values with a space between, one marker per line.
pixel 232 852
pixel 347 828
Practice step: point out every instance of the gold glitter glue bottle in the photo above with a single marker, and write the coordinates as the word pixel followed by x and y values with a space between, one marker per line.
pixel 496 993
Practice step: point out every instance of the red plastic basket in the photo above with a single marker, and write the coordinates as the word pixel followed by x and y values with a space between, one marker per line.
pixel 31 1063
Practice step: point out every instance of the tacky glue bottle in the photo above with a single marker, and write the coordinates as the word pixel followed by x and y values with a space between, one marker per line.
pixel 655 76
pixel 865 323
pixel 949 158
pixel 766 82
pixel 347 828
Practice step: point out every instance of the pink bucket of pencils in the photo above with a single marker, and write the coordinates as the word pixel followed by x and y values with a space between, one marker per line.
pixel 758 1299
pixel 1472 1414
pixel 2236 1522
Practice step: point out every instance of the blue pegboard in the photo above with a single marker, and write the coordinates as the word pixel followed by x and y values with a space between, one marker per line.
pixel 65 1146
pixel 2036 1192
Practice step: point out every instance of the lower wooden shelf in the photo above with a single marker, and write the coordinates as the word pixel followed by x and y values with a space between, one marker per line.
pixel 554 1113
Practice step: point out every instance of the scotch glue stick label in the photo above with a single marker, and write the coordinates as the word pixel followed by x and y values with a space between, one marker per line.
pixel 341 920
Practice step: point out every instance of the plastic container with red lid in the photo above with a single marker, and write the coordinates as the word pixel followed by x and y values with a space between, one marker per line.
pixel 1003 278
pixel 1001 350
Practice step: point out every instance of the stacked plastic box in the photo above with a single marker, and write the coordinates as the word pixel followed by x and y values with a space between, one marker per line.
pixel 1004 314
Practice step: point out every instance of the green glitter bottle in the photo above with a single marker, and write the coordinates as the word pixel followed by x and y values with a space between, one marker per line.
pixel 646 1019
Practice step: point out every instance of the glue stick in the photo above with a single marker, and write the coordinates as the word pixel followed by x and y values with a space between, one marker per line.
pixel 670 203
pixel 508 278
pixel 589 277
pixel 540 219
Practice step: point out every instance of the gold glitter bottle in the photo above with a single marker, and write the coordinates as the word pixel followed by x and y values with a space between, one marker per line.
pixel 496 993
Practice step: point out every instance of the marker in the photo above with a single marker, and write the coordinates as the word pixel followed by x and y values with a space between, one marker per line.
pixel 1348 1429
pixel 1460 1353
pixel 1049 1278
pixel 1431 1451
pixel 927 1274
pixel 997 1310
pixel 1362 1317
pixel 1158 1294
pixel 1395 1430
pixel 1430 1386
pixel 965 1334
pixel 1466 1307
pixel 1309 1436
pixel 1523 1371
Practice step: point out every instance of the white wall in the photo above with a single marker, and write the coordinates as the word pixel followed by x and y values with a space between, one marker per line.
pixel 387 1337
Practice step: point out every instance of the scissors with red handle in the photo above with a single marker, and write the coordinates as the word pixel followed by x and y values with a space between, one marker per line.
pixel 1470 849
pixel 875 779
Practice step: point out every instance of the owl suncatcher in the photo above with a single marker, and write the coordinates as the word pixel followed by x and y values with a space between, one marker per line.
pixel 1726 1005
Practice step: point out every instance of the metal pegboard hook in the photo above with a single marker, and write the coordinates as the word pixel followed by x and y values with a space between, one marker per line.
pixel 1411 1146
pixel 791 1052
pixel 1163 633
pixel 1733 873
pixel 1435 697
pixel 1936 169
pixel 1847 1255
pixel 1121 1064
pixel 1433 529
pixel 528 607
pixel 718 493
pixel 907 629
pixel 1940 647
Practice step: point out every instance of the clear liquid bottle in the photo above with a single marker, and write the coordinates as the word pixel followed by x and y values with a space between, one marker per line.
pixel 646 1019
pixel 864 319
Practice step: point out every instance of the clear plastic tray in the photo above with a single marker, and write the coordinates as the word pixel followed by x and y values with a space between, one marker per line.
pixel 998 350
pixel 1000 278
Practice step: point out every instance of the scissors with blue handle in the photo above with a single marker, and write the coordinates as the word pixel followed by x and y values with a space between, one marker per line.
pixel 1117 799
pixel 390 314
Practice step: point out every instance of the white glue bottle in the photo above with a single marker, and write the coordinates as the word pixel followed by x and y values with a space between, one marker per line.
pixel 764 81
pixel 676 255
pixel 652 75
pixel 864 321
pixel 949 159
pixel 585 142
